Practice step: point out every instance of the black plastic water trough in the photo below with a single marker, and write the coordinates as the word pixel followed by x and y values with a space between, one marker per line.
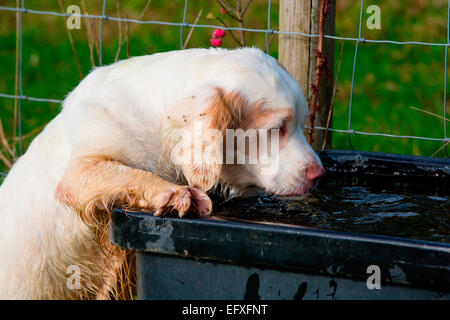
pixel 293 254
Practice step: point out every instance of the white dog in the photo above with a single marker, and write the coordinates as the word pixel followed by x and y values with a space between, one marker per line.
pixel 112 145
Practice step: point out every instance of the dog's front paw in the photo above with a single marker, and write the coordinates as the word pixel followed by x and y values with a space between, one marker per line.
pixel 183 200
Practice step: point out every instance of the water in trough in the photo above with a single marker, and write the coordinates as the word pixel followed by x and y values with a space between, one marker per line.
pixel 354 204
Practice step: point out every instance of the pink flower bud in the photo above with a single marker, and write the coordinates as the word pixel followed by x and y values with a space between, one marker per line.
pixel 216 42
pixel 223 10
pixel 219 33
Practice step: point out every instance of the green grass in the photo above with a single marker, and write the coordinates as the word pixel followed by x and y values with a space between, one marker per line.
pixel 388 79
pixel 391 78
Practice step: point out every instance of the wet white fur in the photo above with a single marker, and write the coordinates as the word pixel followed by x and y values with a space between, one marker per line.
pixel 120 108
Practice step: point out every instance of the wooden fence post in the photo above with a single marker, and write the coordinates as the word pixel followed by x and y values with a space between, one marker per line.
pixel 298 55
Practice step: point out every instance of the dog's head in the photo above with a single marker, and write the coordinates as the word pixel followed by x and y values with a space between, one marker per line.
pixel 245 130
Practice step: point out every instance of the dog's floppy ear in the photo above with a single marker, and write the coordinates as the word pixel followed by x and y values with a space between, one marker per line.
pixel 199 149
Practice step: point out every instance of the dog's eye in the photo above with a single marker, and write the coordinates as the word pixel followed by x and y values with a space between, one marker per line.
pixel 283 129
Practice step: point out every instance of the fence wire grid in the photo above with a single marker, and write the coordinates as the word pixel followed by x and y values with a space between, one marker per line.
pixel 268 31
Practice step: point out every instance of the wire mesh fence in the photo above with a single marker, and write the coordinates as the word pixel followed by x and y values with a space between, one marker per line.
pixel 22 10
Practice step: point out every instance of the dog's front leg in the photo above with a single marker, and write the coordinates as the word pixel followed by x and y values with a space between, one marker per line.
pixel 93 183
